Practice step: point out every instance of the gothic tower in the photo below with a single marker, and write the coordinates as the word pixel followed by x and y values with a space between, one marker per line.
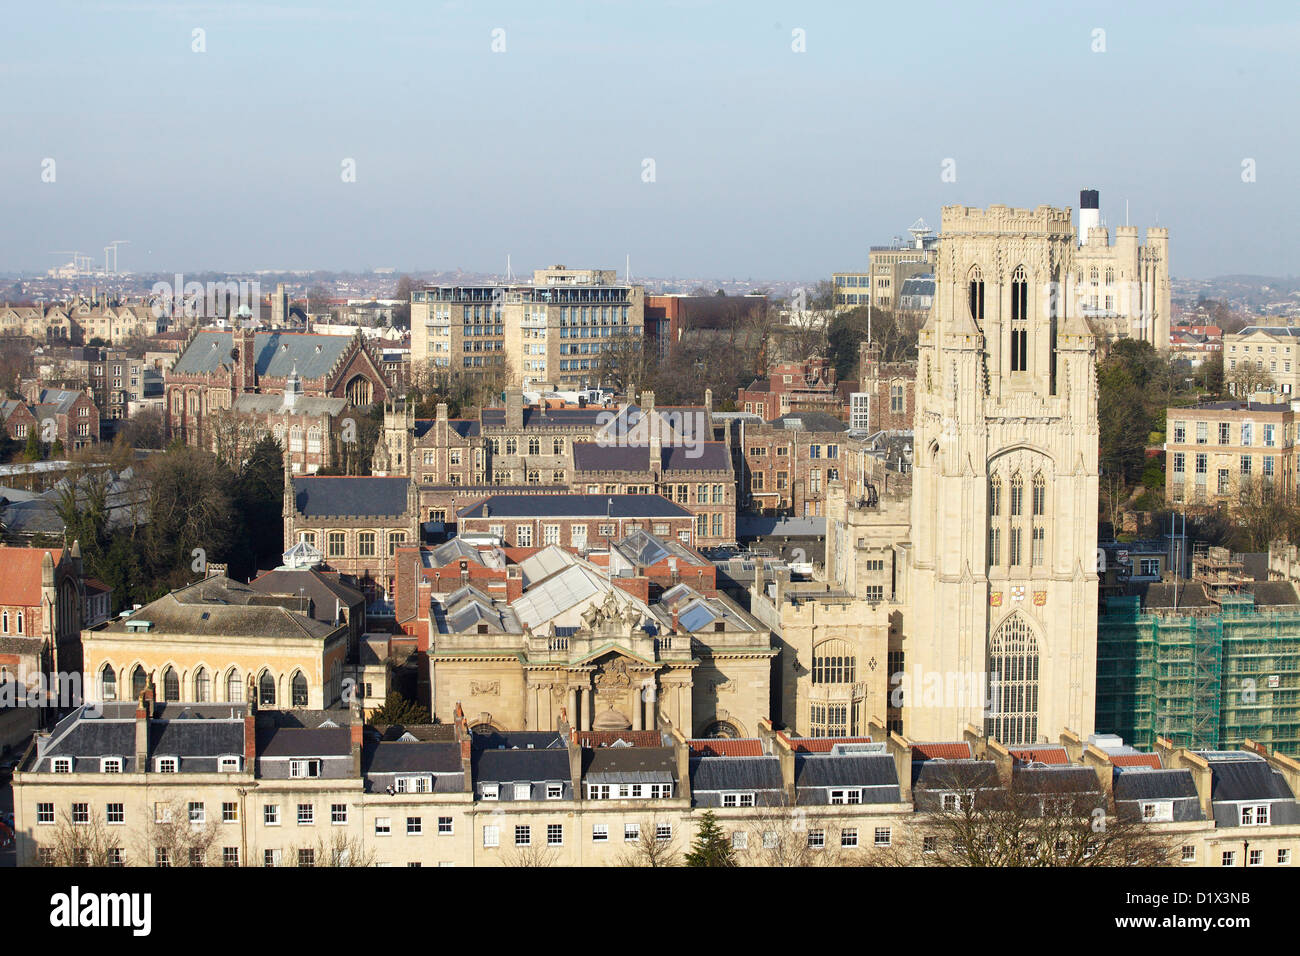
pixel 1003 625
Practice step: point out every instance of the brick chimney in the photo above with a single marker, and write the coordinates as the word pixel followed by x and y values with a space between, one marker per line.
pixel 356 734
pixel 250 739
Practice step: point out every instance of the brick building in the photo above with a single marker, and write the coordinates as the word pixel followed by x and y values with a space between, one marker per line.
pixel 356 524
pixel 576 520
pixel 62 415
pixel 805 386
pixel 884 397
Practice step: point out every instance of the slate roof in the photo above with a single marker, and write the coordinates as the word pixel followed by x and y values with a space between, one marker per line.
pixel 874 773
pixel 394 757
pixel 574 506
pixel 277 353
pixel 219 607
pixel 546 417
pixel 318 497
pixel 519 766
pixel 321 589
pixel 1146 784
pixel 629 765
pixel 735 773
pixel 304 742
pixel 1248 778
pixel 961 774
pixel 1050 780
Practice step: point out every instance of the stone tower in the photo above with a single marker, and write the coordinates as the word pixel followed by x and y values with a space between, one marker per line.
pixel 1003 586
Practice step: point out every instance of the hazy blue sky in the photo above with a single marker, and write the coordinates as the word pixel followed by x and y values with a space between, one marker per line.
pixel 768 162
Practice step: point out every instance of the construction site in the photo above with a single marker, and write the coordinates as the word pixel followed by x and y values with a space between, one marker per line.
pixel 1205 662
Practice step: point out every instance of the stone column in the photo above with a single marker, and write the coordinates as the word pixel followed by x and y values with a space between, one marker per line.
pixel 637 695
pixel 586 708
pixel 573 706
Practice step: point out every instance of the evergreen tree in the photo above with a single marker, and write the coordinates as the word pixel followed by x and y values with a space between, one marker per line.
pixel 711 846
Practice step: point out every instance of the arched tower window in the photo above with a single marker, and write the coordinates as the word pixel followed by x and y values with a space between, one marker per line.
pixel 833 663
pixel 1019 321
pixel 299 698
pixel 108 683
pixel 202 685
pixel 1013 683
pixel 976 294
pixel 266 690
pixel 995 496
pixel 138 682
pixel 171 685
pixel 234 687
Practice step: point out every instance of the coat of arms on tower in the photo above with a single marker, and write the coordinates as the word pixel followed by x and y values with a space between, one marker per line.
pixel 1018 592
pixel 1040 598
pixel 995 599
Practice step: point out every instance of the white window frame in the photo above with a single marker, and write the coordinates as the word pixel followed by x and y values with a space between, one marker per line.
pixel 491 836
pixel 301 768
pixel 61 765
pixel 491 791
pixel 167 764
pixel 523 791
pixel 110 764
pixel 555 791
pixel 383 826
pixel 600 833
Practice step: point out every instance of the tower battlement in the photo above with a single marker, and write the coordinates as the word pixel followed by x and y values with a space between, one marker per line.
pixel 1042 220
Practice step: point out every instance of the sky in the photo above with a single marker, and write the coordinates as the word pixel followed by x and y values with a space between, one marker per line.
pixel 728 139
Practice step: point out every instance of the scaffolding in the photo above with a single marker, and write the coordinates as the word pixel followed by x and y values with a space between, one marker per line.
pixel 1205 678
pixel 1221 571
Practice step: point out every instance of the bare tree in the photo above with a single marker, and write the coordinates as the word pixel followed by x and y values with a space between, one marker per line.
pixel 650 849
pixel 1022 826
pixel 88 843
pixel 180 835
pixel 339 850
pixel 534 856
pixel 1248 377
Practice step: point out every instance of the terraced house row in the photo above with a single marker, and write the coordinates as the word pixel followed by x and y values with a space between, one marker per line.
pixel 186 784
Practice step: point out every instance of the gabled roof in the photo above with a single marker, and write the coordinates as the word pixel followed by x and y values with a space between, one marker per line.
pixel 1046 754
pixel 726 747
pixel 20 574
pixel 942 750
pixel 276 353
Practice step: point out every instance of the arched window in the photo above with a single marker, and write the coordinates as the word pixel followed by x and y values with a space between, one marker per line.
pixel 1110 276
pixel 534 446
pixel 108 683
pixel 266 690
pixel 1092 276
pixel 299 690
pixel 995 496
pixel 234 687
pixel 833 663
pixel 1017 497
pixel 557 446
pixel 4 622
pixel 20 622
pixel 138 682
pixel 995 546
pixel 1013 683
pixel 1040 495
pixel 171 685
pixel 202 685
pixel 976 294
pixel 1019 318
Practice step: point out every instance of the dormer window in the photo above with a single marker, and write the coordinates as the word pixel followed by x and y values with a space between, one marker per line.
pixel 745 799
pixel 413 783
pixel 845 796
pixel 110 765
pixel 167 764
pixel 1255 815
pixel 228 764
pixel 61 765
pixel 491 791
pixel 304 768
pixel 554 791
pixel 1158 811
pixel 523 791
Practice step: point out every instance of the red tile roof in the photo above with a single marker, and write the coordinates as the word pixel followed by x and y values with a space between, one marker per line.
pixel 20 574
pixel 604 738
pixel 724 747
pixel 1137 760
pixel 1049 755
pixel 822 745
pixel 942 751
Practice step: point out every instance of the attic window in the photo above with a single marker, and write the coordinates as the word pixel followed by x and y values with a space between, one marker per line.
pixel 482 629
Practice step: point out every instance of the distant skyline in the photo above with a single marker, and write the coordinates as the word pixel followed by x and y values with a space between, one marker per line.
pixel 767 162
